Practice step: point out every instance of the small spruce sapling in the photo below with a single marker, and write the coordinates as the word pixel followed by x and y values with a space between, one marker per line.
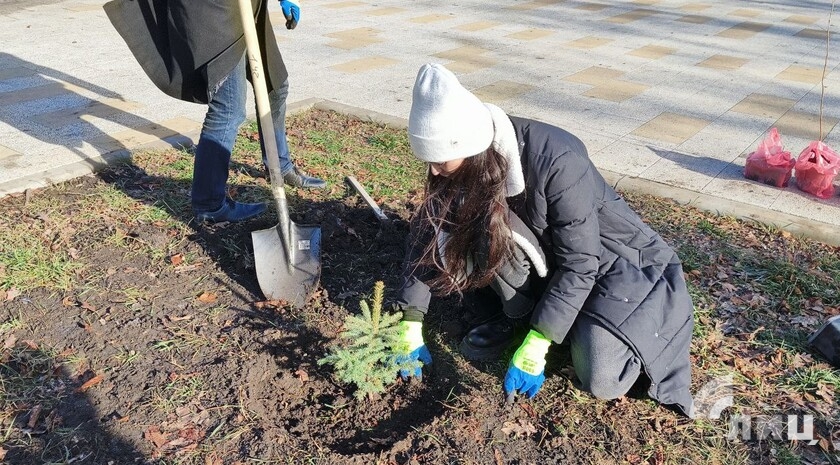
pixel 368 357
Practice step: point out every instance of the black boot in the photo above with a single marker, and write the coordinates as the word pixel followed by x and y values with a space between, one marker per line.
pixel 297 178
pixel 489 340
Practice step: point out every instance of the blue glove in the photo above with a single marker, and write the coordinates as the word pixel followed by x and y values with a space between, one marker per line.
pixel 526 373
pixel 291 11
pixel 412 348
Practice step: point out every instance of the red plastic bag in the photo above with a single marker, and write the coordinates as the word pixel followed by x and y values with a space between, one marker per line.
pixel 816 168
pixel 770 164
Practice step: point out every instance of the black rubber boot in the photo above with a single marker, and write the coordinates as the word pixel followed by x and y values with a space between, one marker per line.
pixel 489 340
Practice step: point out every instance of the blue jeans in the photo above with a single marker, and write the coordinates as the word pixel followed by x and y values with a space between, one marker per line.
pixel 225 113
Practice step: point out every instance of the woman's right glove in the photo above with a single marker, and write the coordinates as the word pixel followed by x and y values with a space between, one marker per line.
pixel 411 348
pixel 526 372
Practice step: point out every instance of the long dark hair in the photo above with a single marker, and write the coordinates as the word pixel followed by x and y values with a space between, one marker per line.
pixel 470 206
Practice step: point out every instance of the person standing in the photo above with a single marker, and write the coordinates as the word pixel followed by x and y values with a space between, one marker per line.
pixel 514 208
pixel 195 51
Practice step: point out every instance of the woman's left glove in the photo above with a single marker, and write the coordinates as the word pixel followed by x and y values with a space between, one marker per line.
pixel 291 11
pixel 412 348
pixel 526 373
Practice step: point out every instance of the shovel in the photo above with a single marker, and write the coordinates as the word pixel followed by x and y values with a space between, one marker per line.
pixel 286 256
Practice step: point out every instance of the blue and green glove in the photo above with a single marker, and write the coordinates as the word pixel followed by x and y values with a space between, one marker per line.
pixel 291 11
pixel 526 373
pixel 412 348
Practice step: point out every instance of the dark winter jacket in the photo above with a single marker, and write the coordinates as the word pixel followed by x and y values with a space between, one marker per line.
pixel 188 47
pixel 603 260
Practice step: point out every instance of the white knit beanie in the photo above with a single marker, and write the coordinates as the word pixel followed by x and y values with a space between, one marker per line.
pixel 447 122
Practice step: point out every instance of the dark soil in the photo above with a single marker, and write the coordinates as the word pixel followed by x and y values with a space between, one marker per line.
pixel 164 352
pixel 260 393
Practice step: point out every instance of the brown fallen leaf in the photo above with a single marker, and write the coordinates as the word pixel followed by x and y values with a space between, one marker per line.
pixel 153 435
pixel 88 307
pixel 69 301
pixel 500 460
pixel 34 414
pixel 12 294
pixel 207 297
pixel 90 383
pixel 176 259
pixel 520 428
pixel 302 375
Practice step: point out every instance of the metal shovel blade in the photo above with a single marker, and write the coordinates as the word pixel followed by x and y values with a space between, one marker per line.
pixel 283 277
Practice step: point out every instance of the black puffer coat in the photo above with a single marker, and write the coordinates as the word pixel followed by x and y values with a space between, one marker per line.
pixel 603 261
pixel 187 47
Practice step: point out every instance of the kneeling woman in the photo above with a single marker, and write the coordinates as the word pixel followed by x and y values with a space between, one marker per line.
pixel 516 206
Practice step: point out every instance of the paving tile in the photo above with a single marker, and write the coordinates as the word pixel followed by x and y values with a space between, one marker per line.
pixel 532 5
pixel 145 134
pixel 732 185
pixel 630 16
pixel 797 73
pixel 6 152
pixel 671 127
pixel 82 7
pixel 472 64
pixel 477 26
pixel 16 72
pixel 461 53
pixel 103 108
pixel 52 89
pixel 694 19
pixel 350 44
pixel 728 137
pixel 745 13
pixel 616 91
pixel 795 202
pixel 743 30
pixel 594 75
pixel 426 19
pixel 625 157
pixel 386 11
pixel 530 34
pixel 466 59
pixel 764 105
pixel 805 125
pixel 364 64
pixel 811 33
pixel 586 6
pixel 588 42
pixel 683 169
pixel 353 34
pixel 695 7
pixel 724 62
pixel 654 52
pixel 801 19
pixel 500 91
pixel 341 5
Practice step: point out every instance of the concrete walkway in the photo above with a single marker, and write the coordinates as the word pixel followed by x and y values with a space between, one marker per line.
pixel 669 95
